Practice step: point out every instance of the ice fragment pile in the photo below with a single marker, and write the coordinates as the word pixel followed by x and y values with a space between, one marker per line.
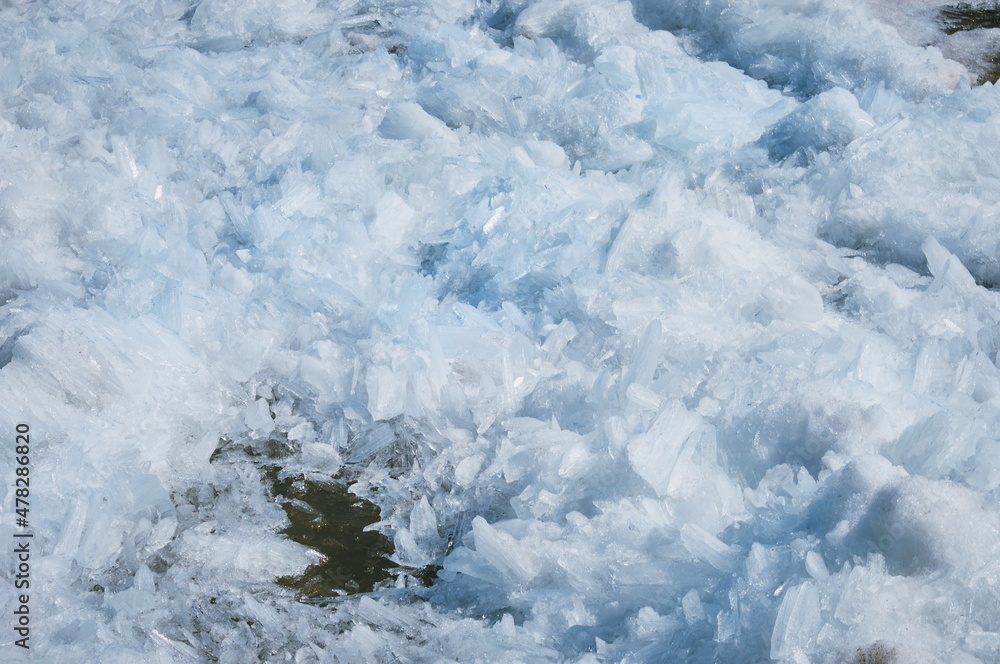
pixel 656 345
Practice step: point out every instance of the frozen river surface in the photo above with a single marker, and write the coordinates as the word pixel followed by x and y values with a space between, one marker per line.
pixel 660 331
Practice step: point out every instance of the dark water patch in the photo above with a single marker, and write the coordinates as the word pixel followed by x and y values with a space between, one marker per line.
pixel 964 16
pixel 992 73
pixel 325 517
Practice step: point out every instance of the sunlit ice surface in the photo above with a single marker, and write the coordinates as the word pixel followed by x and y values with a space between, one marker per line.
pixel 539 331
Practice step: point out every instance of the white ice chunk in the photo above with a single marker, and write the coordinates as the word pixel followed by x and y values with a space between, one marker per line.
pixel 946 267
pixel 257 417
pixel 423 522
pixel 409 120
pixel 393 218
pixel 407 551
pixel 797 624
pixel 617 65
pixel 706 546
pixel 262 612
pixel 510 557
pixel 468 468
pixel 829 120
pixel 694 612
pixel 233 279
pixel 238 556
pixel 816 567
pixel 163 532
pixel 654 453
pixel 793 298
pixel 386 392
pixel 548 155
pixel 643 397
